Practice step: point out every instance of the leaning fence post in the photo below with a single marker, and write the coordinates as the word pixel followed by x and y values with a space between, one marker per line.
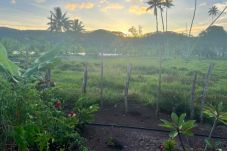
pixel 205 89
pixel 127 86
pixel 192 108
pixel 84 85
pixel 101 81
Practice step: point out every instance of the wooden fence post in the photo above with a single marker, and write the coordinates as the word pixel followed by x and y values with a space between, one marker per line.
pixel 205 89
pixel 84 85
pixel 127 86
pixel 192 108
pixel 159 83
pixel 101 81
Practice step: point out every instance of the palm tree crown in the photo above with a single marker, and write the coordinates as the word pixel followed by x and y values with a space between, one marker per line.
pixel 213 11
pixel 167 3
pixel 58 21
pixel 77 26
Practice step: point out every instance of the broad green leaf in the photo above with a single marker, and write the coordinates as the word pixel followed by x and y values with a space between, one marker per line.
pixel 8 65
pixel 174 117
pixel 181 119
pixel 173 134
pixel 166 124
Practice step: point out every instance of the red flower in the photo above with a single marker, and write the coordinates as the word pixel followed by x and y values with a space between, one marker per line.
pixel 72 114
pixel 57 104
pixel 161 147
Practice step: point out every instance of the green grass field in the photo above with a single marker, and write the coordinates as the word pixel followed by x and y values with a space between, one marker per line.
pixel 177 75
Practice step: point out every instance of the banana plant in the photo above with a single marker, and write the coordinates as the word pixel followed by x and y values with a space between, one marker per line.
pixel 179 127
pixel 218 114
pixel 13 72
pixel 44 62
pixel 7 67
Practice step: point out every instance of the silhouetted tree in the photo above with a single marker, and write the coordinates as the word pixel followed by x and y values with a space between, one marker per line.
pixel 161 13
pixel 154 4
pixel 168 4
pixel 213 11
pixel 59 22
pixel 212 42
pixel 193 18
pixel 77 26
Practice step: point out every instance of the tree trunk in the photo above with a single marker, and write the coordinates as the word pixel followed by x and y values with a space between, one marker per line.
pixel 127 86
pixel 84 85
pixel 156 22
pixel 205 89
pixel 166 19
pixel 193 18
pixel 101 81
pixel 192 108
pixel 163 26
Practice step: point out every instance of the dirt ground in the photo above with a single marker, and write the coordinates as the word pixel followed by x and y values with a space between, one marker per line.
pixel 102 138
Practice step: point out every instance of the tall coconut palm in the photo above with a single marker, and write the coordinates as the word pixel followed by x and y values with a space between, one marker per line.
pixel 58 21
pixel 161 13
pixel 167 4
pixel 77 26
pixel 154 4
pixel 193 18
pixel 213 11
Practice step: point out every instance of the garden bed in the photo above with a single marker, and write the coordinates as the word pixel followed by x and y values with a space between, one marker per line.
pixel 101 138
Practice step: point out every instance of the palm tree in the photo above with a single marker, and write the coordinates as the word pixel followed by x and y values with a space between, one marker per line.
pixel 193 18
pixel 77 25
pixel 58 21
pixel 161 13
pixel 154 4
pixel 168 4
pixel 213 11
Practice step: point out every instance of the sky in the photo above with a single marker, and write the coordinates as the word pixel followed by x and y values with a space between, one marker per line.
pixel 113 15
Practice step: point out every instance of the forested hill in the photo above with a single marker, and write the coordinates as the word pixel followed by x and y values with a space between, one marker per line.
pixel 107 41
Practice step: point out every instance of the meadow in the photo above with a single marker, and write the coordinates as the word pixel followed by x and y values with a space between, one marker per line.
pixel 177 76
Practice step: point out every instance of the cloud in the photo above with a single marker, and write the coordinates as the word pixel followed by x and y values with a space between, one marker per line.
pixel 138 10
pixel 74 6
pixel 103 1
pixel 13 1
pixel 221 6
pixel 134 1
pixel 112 6
pixel 40 1
pixel 203 4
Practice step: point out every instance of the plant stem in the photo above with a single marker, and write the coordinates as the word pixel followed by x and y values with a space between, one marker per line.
pixel 211 131
pixel 181 141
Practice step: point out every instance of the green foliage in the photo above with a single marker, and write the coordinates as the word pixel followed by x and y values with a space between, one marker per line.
pixel 7 68
pixel 29 120
pixel 179 125
pixel 170 145
pixel 46 60
pixel 85 108
pixel 213 145
pixel 216 112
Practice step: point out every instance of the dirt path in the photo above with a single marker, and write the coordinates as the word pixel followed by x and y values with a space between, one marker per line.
pixel 101 138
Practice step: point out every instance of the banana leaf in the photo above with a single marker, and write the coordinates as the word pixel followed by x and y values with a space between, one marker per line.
pixel 7 66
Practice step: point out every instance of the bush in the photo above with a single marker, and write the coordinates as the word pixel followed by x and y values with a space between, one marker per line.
pixel 173 101
pixel 29 122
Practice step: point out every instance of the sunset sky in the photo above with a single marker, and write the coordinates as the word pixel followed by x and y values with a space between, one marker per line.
pixel 114 15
